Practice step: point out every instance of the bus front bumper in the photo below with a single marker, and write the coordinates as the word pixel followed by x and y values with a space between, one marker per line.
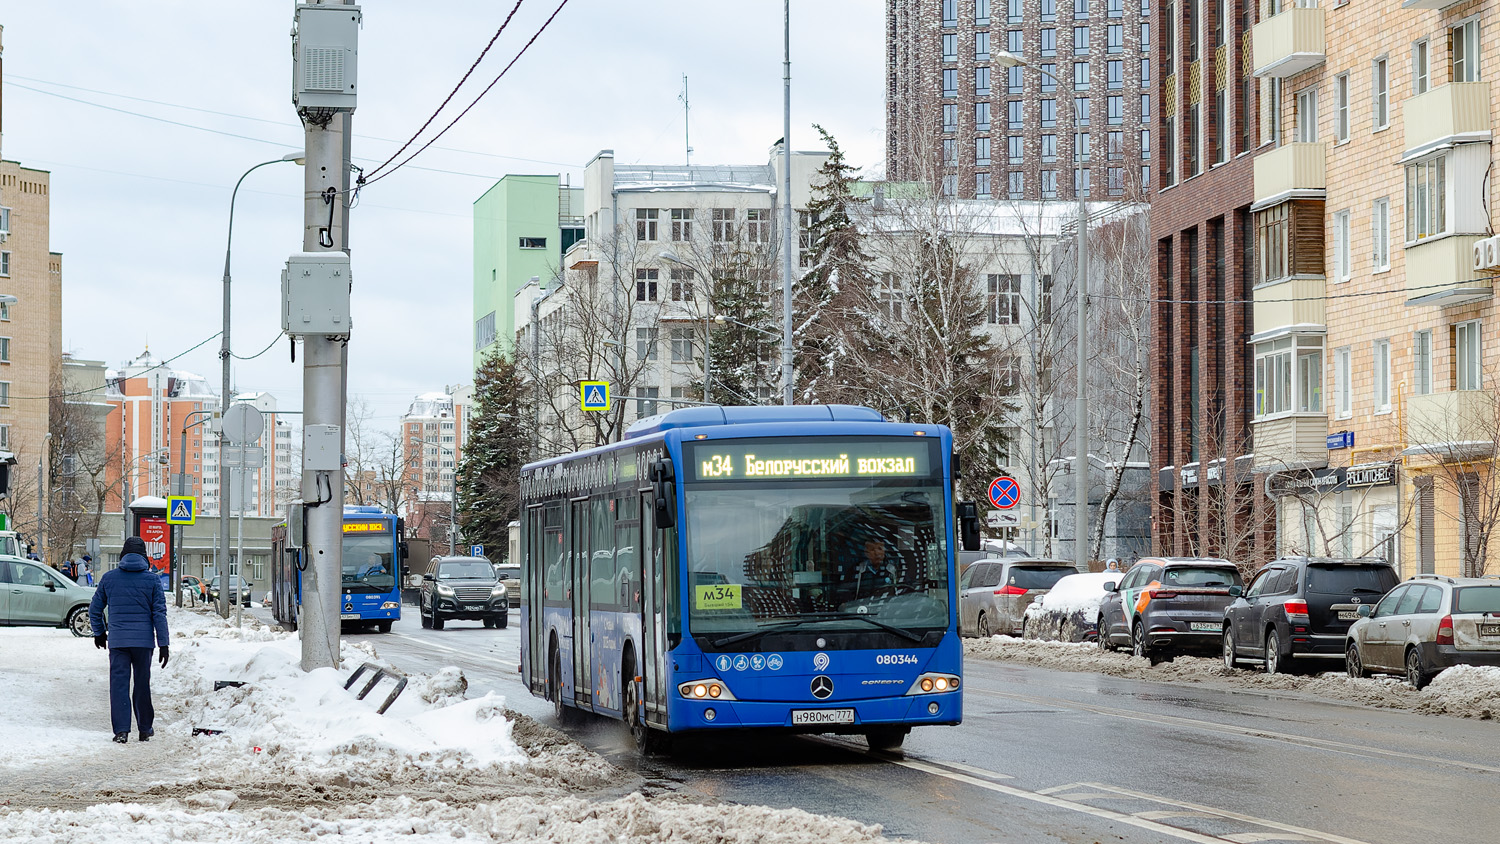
pixel 819 717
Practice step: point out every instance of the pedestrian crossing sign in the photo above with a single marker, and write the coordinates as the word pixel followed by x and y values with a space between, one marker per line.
pixel 181 510
pixel 594 395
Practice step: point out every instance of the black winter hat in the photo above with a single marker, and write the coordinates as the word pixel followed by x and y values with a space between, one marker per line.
pixel 134 545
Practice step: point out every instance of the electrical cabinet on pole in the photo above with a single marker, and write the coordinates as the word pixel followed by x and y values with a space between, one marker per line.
pixel 315 304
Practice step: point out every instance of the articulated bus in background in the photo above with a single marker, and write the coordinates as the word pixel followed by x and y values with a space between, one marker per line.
pixel 761 568
pixel 374 561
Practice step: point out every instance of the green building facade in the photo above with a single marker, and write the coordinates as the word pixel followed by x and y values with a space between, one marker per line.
pixel 522 227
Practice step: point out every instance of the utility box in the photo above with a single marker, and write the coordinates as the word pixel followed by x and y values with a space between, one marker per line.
pixel 322 448
pixel 315 294
pixel 325 53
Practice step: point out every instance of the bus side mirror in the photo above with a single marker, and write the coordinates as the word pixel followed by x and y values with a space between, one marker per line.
pixel 663 494
pixel 968 525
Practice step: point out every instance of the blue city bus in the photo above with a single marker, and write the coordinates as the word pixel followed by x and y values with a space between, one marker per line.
pixel 756 568
pixel 373 564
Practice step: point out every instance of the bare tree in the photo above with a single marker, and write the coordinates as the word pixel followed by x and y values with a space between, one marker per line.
pixel 77 457
pixel 1457 462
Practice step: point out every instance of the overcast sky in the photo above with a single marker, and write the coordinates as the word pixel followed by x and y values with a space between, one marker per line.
pixel 139 206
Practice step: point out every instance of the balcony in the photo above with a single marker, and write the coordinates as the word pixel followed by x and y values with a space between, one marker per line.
pixel 1290 171
pixel 1456 425
pixel 1296 301
pixel 1429 4
pixel 1293 441
pixel 1441 272
pixel 1288 43
pixel 1455 112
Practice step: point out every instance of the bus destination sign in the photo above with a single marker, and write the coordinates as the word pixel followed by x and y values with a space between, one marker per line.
pixel 754 461
pixel 367 527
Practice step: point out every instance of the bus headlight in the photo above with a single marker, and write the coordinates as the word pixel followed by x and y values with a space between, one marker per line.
pixel 704 690
pixel 934 684
pixel 390 605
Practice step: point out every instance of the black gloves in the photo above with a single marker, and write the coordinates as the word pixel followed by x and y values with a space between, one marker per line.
pixel 99 641
pixel 165 652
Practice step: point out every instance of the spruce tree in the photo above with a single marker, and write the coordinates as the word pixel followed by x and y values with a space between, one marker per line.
pixel 489 490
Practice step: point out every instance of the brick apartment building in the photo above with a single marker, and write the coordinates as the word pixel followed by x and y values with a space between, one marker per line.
pixel 433 432
pixel 958 118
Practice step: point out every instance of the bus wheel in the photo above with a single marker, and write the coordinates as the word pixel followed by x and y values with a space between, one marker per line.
pixel 648 740
pixel 560 711
pixel 886 738
pixel 383 626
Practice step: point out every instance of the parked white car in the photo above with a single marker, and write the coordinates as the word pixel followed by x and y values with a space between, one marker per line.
pixel 1069 612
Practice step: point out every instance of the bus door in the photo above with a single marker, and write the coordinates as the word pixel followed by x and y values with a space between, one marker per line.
pixel 578 553
pixel 647 599
pixel 533 584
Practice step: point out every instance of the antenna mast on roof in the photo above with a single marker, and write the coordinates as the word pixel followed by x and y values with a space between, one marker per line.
pixel 686 138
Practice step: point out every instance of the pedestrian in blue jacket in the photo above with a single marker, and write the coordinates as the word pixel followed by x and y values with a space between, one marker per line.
pixel 137 622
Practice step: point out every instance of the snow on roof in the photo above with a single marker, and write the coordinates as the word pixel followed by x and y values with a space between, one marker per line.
pixel 1082 591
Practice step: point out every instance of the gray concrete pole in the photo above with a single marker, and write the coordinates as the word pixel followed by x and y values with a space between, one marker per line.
pixel 787 218
pixel 1080 423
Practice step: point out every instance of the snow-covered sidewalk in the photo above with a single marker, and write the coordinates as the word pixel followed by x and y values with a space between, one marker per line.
pixel 297 758
pixel 1467 691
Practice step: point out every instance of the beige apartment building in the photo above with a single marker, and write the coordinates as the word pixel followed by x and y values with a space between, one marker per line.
pixel 1375 337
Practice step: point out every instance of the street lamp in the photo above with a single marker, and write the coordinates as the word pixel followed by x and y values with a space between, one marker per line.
pixel 1080 422
pixel 225 354
pixel 708 309
pixel 41 498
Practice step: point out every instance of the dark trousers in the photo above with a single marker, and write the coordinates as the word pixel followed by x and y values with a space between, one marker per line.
pixel 123 662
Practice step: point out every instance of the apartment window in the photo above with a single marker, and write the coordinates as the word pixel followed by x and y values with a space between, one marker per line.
pixel 1341 252
pixel 950 185
pixel 682 285
pixel 981 46
pixel 1145 144
pixel 981 118
pixel 1145 38
pixel 758 225
pixel 1081 110
pixel 1080 40
pixel 1309 375
pixel 1114 145
pixel 1116 185
pixel 1341 107
pixel 1049 148
pixel 484 329
pixel 4 350
pixel 4 312
pixel 950 13
pixel 645 285
pixel 1421 362
pixel 1192 122
pixel 1425 199
pixel 4 394
pixel 5 436
pixel 1049 10
pixel 645 224
pixel 1014 80
pixel 1420 67
pixel 1049 184
pixel 950 47
pixel 1013 11
pixel 1145 176
pixel 950 117
pixel 1381 376
pixel 682 345
pixel 1116 74
pixel 981 12
pixel 647 408
pixel 805 238
pixel 982 185
pixel 1004 299
pixel 1289 376
pixel 1380 234
pixel 1115 106
pixel 1081 146
pixel 982 81
pixel 1014 41
pixel 1049 78
pixel 981 151
pixel 723 224
pixel 533 243
pixel 1343 404
pixel 889 295
pixel 1013 114
pixel 950 152
pixel 1380 92
pixel 1221 129
pixel 1145 106
pixel 1271 112
pixel 1464 42
pixel 4 219
pixel 1307 116
pixel 1467 371
pixel 1114 38
pixel 1014 145
pixel 950 82
pixel 1049 42
pixel 682 224
pixel 1081 179
pixel 1271 238
pixel 5 264
pixel 1115 8
pixel 1017 185
pixel 1049 113
pixel 1080 10
pixel 645 343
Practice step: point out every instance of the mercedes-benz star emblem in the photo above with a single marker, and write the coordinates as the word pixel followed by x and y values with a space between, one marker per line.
pixel 822 687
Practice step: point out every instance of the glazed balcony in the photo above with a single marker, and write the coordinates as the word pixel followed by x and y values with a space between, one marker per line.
pixel 1288 43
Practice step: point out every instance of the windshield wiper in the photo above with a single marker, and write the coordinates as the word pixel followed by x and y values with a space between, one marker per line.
pixel 810 617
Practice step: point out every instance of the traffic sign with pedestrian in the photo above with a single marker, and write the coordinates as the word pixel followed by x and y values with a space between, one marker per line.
pixel 181 510
pixel 594 395
pixel 1004 492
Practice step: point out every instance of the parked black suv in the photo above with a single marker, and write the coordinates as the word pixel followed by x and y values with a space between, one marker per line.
pixel 1300 608
pixel 462 587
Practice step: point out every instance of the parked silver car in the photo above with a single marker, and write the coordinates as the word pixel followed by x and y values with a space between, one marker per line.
pixel 33 595
pixel 1425 625
pixel 994 593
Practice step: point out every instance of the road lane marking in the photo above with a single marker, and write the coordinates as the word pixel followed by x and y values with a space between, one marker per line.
pixel 1328 745
pixel 1253 837
pixel 980 772
pixel 1304 833
pixel 503 663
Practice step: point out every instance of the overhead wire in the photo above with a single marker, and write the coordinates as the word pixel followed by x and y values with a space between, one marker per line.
pixel 188 351
pixel 1323 298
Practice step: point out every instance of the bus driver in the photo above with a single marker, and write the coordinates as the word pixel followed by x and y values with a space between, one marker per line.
pixel 872 577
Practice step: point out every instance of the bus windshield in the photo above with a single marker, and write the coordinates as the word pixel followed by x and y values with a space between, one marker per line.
pixel 821 556
pixel 369 563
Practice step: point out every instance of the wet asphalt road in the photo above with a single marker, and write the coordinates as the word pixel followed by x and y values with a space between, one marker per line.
pixel 1047 755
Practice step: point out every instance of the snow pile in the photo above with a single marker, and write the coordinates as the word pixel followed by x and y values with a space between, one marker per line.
pixel 1074 593
pixel 628 820
pixel 1466 691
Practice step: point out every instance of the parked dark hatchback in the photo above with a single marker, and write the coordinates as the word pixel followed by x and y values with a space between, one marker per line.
pixel 1168 605
pixel 1301 608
